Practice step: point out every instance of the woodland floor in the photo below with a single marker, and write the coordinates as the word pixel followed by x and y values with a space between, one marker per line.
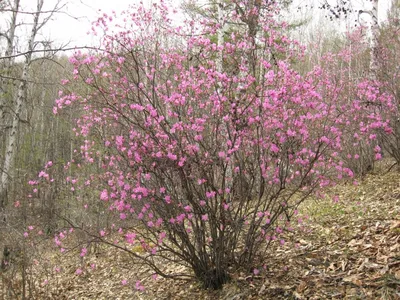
pixel 349 250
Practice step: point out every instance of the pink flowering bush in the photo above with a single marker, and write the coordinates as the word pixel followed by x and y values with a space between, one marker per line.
pixel 208 166
pixel 389 77
pixel 364 108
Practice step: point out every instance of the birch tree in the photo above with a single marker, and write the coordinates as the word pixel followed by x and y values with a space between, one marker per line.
pixel 9 37
pixel 14 86
pixel 22 51
pixel 344 9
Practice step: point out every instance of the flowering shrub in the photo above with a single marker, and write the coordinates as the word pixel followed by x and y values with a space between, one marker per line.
pixel 389 76
pixel 208 165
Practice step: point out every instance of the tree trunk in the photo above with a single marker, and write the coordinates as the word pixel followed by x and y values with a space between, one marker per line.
pixel 7 64
pixel 373 63
pixel 3 96
pixel 19 102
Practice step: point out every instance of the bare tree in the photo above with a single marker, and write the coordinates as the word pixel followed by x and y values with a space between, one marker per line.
pixel 10 109
pixel 16 82
pixel 343 9
pixel 9 36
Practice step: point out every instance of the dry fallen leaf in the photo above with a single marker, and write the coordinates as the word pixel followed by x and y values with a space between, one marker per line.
pixel 395 224
pixel 353 279
pixel 344 264
pixel 301 287
pixel 397 274
pixel 262 289
pixel 298 296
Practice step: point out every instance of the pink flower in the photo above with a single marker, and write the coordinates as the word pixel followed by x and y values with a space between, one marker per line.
pixel 210 194
pixel 291 132
pixel 172 156
pixel 124 282
pixel 78 271
pixel 43 174
pixel 274 148
pixel 162 235
pixel 104 195
pixel 182 161
pixel 139 286
pixel 204 217
pixel 180 218
pixel 159 222
pixel 83 252
pixel 130 238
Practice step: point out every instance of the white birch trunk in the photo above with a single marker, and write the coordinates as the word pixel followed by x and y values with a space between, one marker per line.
pixel 373 64
pixel 221 23
pixel 7 64
pixel 19 102
pixel 220 69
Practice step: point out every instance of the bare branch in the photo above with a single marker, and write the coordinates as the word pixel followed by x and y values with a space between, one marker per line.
pixel 29 81
pixel 54 50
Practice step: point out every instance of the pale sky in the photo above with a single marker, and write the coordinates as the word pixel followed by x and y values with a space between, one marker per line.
pixel 67 29
pixel 319 24
pixel 74 28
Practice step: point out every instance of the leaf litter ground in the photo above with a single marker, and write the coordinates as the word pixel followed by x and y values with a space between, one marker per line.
pixel 349 249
